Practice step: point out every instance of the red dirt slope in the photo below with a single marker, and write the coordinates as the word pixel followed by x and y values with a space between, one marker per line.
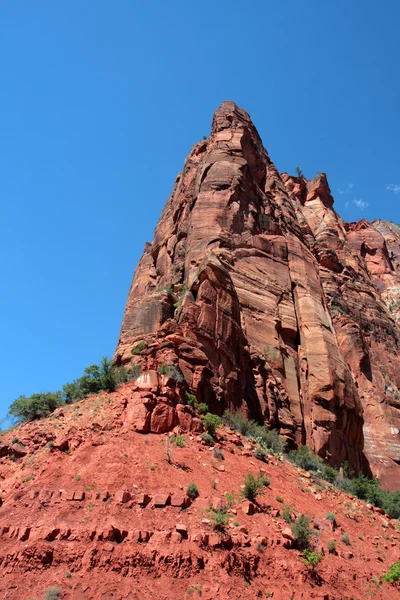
pixel 96 508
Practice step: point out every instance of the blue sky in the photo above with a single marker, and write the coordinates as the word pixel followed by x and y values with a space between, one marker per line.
pixel 100 103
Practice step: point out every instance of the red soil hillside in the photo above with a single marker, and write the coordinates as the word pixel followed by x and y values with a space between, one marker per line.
pixel 96 508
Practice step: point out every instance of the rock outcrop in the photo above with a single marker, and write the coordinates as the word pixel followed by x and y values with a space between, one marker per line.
pixel 261 299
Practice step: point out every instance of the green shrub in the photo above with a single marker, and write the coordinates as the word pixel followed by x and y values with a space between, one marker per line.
pixel 239 423
pixel 218 454
pixel 191 399
pixel 260 454
pixel 170 371
pixel 345 539
pixel 331 517
pixel 178 440
pixel 394 573
pixel 95 378
pixel 208 439
pixel 36 406
pixel 305 459
pixel 202 408
pixel 279 499
pixel 211 423
pixel 192 491
pixel 254 487
pixel 311 559
pixel 332 546
pixel 52 593
pixel 268 440
pixel 369 490
pixel 139 347
pixel 219 518
pixel 330 474
pixel 302 531
pixel 230 499
pixel 286 513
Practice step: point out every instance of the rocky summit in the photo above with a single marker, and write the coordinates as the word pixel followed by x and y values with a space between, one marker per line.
pixel 257 302
pixel 266 302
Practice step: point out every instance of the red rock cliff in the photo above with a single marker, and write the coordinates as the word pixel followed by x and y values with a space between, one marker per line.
pixel 268 303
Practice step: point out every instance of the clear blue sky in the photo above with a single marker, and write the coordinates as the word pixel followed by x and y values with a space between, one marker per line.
pixel 100 103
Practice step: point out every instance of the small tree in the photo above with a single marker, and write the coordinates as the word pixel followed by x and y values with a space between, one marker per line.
pixel 299 172
pixel 36 406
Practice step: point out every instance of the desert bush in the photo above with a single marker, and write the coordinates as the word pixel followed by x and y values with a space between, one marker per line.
pixel 52 593
pixel 302 531
pixel 192 491
pixel 260 454
pixel 191 399
pixel 95 378
pixel 218 454
pixel 311 559
pixel 208 439
pixel 268 440
pixel 219 518
pixel 170 371
pixel 286 513
pixel 139 347
pixel 202 408
pixel 332 546
pixel 211 423
pixel 254 487
pixel 36 406
pixel 331 517
pixel 178 440
pixel 394 573
pixel 345 539
pixel 305 459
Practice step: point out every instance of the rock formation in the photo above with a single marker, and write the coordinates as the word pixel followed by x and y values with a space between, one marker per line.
pixel 265 301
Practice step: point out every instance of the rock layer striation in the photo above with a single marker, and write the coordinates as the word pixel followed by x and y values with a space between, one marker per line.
pixel 263 300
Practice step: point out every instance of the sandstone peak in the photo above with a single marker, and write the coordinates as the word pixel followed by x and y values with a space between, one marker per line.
pixel 266 302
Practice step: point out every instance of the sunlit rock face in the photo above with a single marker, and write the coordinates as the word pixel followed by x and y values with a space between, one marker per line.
pixel 266 302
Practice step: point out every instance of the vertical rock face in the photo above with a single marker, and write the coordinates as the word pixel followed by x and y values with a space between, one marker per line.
pixel 267 303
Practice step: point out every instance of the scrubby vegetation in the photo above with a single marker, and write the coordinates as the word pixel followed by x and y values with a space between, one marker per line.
pixel 287 512
pixel 211 423
pixel 53 593
pixel 302 531
pixel 190 399
pixel 219 518
pixel 361 487
pixel 260 454
pixel 95 378
pixel 311 559
pixel 218 454
pixel 332 546
pixel 207 439
pixel 170 371
pixel 192 491
pixel 178 440
pixel 268 440
pixel 394 573
pixel 254 487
